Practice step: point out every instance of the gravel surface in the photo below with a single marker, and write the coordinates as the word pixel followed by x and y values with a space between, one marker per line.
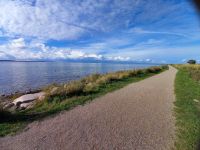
pixel 138 116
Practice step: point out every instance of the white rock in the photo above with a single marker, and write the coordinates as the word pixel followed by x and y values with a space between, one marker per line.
pixel 27 105
pixel 28 98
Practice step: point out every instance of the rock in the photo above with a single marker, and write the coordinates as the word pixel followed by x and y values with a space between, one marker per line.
pixel 27 105
pixel 27 98
pixel 18 104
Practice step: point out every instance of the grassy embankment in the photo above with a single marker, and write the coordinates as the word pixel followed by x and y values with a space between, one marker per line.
pixel 66 96
pixel 187 107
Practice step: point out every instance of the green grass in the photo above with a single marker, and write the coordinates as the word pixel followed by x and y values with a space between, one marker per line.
pixel 71 95
pixel 187 111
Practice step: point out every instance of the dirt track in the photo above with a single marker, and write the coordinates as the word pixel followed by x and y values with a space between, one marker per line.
pixel 137 117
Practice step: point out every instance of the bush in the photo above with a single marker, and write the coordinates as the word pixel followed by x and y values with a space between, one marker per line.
pixel 124 75
pixel 191 61
pixel 90 87
pixel 91 78
pixel 103 80
pixel 112 77
pixel 4 114
pixel 74 88
pixel 132 73
pixel 153 69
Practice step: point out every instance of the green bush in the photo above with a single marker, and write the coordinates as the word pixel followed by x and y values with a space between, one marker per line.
pixel 153 69
pixel 191 61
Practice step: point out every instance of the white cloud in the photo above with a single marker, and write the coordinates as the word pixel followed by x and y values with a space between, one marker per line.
pixel 4 56
pixel 139 30
pixel 20 50
pixel 53 19
pixel 119 58
pixel 17 43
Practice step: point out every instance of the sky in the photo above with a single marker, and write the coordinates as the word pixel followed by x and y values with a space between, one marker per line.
pixel 158 31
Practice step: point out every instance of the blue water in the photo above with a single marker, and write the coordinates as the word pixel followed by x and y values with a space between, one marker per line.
pixel 22 76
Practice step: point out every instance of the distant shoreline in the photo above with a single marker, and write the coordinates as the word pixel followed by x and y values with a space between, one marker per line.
pixel 79 61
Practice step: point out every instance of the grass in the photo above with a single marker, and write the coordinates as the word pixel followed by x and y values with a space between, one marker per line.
pixel 187 107
pixel 66 96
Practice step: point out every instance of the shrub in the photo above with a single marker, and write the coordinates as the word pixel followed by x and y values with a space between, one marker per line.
pixel 74 88
pixel 112 76
pixel 4 114
pixel 90 87
pixel 132 73
pixel 124 75
pixel 91 78
pixel 153 69
pixel 103 80
pixel 157 69
pixel 140 71
pixel 191 61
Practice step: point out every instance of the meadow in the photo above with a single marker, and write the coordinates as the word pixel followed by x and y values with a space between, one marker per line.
pixel 187 107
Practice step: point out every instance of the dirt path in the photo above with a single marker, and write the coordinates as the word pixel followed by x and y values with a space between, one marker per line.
pixel 137 117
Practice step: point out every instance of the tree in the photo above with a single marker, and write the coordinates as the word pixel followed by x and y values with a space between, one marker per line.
pixel 191 61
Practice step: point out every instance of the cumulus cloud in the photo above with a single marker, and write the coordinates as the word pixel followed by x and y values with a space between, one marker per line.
pixel 18 49
pixel 119 58
pixel 17 43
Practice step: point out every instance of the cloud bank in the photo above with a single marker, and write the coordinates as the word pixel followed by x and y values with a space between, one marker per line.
pixel 18 49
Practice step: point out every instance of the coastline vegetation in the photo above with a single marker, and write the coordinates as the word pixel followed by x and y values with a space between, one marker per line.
pixel 66 96
pixel 187 107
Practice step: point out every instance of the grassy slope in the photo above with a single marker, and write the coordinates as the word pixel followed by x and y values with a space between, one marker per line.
pixel 14 122
pixel 187 112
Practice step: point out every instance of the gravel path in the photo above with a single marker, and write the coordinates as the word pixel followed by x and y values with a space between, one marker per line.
pixel 137 117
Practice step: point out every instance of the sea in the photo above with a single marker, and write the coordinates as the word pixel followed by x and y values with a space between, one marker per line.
pixel 25 76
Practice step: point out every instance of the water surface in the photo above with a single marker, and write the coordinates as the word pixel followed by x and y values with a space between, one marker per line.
pixel 22 76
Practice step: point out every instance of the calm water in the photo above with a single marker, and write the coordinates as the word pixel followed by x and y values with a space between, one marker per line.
pixel 22 76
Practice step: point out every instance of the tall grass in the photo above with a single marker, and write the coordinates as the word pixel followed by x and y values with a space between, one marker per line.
pixel 93 82
pixel 192 69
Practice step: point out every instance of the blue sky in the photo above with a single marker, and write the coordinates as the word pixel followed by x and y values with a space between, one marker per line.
pixel 129 30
